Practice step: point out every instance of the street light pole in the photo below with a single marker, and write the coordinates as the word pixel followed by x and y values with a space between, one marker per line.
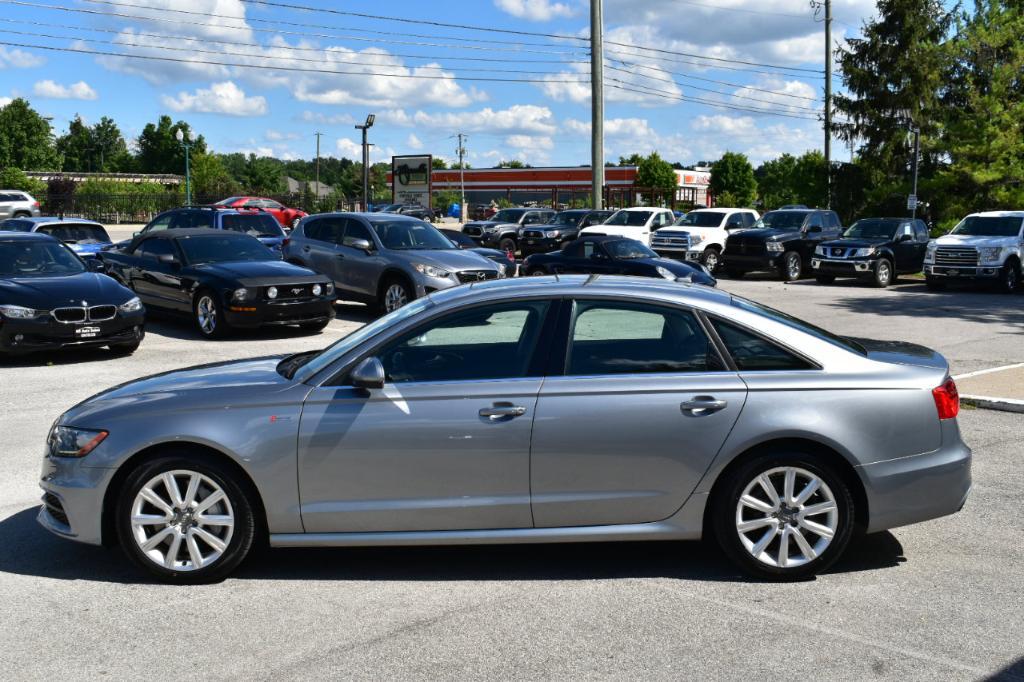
pixel 366 161
pixel 184 142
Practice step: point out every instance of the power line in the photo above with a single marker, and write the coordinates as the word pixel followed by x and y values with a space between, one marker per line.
pixel 741 9
pixel 282 68
pixel 709 80
pixel 645 90
pixel 699 56
pixel 690 62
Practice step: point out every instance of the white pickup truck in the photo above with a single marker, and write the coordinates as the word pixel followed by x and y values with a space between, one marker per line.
pixel 633 223
pixel 983 247
pixel 700 235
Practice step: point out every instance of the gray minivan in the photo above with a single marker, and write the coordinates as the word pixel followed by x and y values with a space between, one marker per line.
pixel 384 258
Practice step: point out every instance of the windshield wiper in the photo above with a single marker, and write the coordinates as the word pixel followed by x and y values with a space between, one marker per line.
pixel 291 364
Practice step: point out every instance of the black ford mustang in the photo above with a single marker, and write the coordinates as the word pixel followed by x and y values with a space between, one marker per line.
pixel 609 255
pixel 49 299
pixel 222 279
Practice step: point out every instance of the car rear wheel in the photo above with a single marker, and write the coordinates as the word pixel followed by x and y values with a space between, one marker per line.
pixel 185 520
pixel 22 214
pixel 784 516
pixel 825 279
pixel 883 274
pixel 792 267
pixel 209 316
pixel 394 294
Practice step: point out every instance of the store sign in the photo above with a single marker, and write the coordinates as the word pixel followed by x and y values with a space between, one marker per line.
pixel 411 182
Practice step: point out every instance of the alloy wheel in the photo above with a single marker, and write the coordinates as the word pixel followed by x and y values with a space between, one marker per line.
pixel 711 260
pixel 395 297
pixel 182 520
pixel 793 266
pixel 206 314
pixel 789 528
pixel 1010 278
pixel 884 273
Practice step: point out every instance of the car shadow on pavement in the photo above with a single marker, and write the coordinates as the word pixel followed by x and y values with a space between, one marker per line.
pixel 969 306
pixel 31 550
pixel 67 356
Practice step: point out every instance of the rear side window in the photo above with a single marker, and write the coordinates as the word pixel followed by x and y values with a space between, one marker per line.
pixel 620 338
pixel 326 229
pixel 751 352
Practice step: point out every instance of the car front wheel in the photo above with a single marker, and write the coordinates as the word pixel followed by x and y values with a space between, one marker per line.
pixel 394 294
pixel 792 267
pixel 507 245
pixel 883 274
pixel 185 520
pixel 711 260
pixel 784 517
pixel 1009 278
pixel 209 316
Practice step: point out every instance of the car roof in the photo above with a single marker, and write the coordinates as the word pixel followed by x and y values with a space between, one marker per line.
pixel 7 236
pixel 46 220
pixel 189 232
pixel 998 214
pixel 644 208
pixel 372 217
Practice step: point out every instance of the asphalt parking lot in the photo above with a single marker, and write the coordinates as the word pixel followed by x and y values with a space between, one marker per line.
pixel 941 600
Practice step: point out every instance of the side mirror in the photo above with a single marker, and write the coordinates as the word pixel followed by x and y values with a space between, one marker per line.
pixel 368 374
pixel 168 259
pixel 135 234
pixel 814 228
pixel 906 238
pixel 95 265
pixel 361 244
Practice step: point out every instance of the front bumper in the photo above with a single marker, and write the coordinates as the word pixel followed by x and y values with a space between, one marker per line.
pixel 263 313
pixel 46 333
pixel 770 261
pixel 963 272
pixel 529 247
pixel 73 499
pixel 918 488
pixel 843 268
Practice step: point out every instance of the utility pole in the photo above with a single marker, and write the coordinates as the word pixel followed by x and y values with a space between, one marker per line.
pixel 597 101
pixel 917 162
pixel 317 190
pixel 462 176
pixel 828 103
pixel 366 161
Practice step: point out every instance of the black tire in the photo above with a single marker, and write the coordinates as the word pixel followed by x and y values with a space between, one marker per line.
pixel 883 274
pixel 536 272
pixel 314 327
pixel 712 259
pixel 825 279
pixel 934 284
pixel 124 349
pixel 507 244
pixel 383 306
pixel 22 214
pixel 1009 277
pixel 242 534
pixel 726 503
pixel 215 326
pixel 792 267
pixel 734 273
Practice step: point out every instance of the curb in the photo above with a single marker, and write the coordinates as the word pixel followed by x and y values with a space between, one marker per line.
pixel 988 403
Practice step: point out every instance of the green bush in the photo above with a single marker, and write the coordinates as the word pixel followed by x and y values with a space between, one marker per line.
pixel 13 178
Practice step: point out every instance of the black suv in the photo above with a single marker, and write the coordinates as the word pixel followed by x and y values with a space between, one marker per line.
pixel 561 229
pixel 780 242
pixel 502 230
pixel 875 248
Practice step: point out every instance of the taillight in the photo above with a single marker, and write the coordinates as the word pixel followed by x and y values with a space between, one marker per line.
pixel 947 400
pixel 35 204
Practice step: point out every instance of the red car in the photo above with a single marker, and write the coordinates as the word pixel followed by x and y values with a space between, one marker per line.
pixel 288 217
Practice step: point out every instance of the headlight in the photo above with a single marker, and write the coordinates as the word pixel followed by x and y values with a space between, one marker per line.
pixel 431 271
pixel 932 245
pixel 132 305
pixel 329 288
pixel 317 289
pixel 819 251
pixel 695 239
pixel 17 312
pixel 929 254
pixel 552 233
pixel 864 253
pixel 777 247
pixel 991 253
pixel 502 269
pixel 240 294
pixel 65 441
pixel 272 293
pixel 666 273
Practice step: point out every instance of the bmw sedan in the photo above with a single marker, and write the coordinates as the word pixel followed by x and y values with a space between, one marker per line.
pixel 533 410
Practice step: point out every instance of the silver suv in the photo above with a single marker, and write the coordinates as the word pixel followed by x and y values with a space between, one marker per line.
pixel 17 204
pixel 384 258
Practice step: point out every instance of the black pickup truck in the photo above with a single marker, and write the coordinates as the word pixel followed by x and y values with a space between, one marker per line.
pixel 782 242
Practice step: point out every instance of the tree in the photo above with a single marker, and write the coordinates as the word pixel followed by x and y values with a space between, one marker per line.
pixel 732 176
pixel 13 178
pixel 262 175
pixel 437 163
pixel 513 163
pixel 809 179
pixel 775 182
pixel 631 160
pixel 210 178
pixel 109 145
pixel 654 172
pixel 26 139
pixel 159 149
pixel 76 147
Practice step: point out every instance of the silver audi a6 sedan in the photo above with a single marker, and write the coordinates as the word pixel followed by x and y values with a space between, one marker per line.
pixel 536 410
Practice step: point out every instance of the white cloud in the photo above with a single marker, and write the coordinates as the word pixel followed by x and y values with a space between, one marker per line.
pixel 350 149
pixel 332 119
pixel 535 10
pixel 220 98
pixel 19 59
pixel 51 90
pixel 414 142
pixel 4 101
pixel 277 136
pixel 517 119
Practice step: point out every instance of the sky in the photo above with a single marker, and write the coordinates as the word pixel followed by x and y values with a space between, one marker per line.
pixel 690 79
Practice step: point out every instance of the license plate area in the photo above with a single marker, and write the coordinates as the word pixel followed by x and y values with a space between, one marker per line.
pixel 87 332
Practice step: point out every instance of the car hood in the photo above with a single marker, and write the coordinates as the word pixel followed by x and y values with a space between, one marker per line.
pixel 259 272
pixel 45 293
pixel 446 259
pixel 967 240
pixel 486 224
pixel 490 253
pixel 856 242
pixel 766 235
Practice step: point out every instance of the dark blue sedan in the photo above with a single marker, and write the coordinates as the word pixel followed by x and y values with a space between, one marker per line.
pixel 609 255
pixel 85 237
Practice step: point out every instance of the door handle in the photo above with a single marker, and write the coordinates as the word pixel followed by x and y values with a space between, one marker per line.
pixel 305 248
pixel 339 256
pixel 502 411
pixel 702 405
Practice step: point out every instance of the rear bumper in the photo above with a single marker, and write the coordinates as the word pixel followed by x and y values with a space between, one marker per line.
pixel 918 488
pixel 962 272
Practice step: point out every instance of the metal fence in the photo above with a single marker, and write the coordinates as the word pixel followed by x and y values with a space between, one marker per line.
pixel 142 207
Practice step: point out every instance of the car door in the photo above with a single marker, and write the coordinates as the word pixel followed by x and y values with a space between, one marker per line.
pixel 158 283
pixel 639 410
pixel 813 234
pixel 275 209
pixel 7 205
pixel 913 261
pixel 323 249
pixel 359 270
pixel 445 444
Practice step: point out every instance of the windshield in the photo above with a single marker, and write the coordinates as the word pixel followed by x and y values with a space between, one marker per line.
pixel 566 218
pixel 15 225
pixel 782 220
pixel 76 234
pixel 701 219
pixel 628 249
pixel 988 226
pixel 348 343
pixel 255 225
pixel 37 259
pixel 509 215
pixel 228 201
pixel 798 324
pixel 411 235
pixel 873 228
pixel 222 249
pixel 629 218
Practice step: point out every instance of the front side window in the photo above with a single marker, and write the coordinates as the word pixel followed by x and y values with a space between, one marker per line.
pixel 634 218
pixel 628 249
pixel 872 228
pixel 921 230
pixel 625 338
pixel 355 230
pixel 751 352
pixel 411 235
pixel 154 248
pixel 487 343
